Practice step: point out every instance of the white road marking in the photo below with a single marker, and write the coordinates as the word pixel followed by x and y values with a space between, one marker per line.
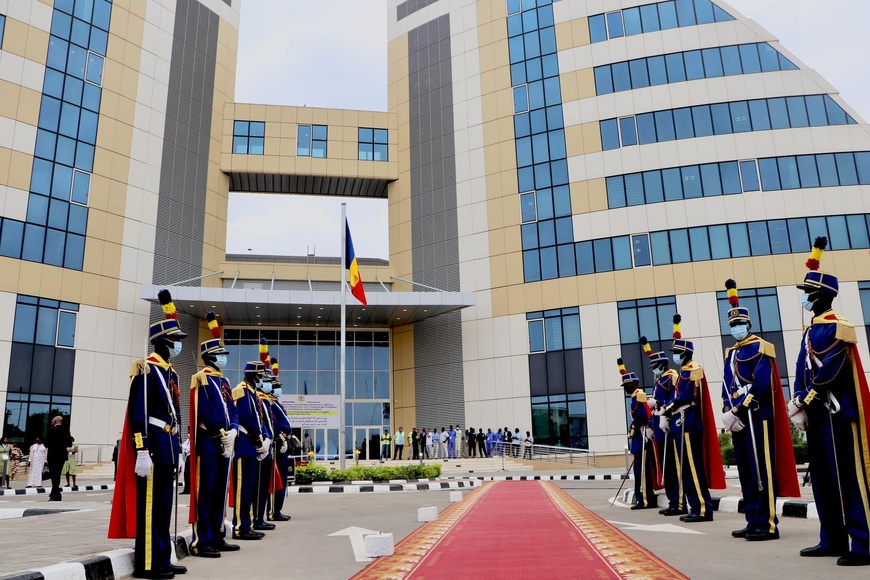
pixel 666 528
pixel 357 541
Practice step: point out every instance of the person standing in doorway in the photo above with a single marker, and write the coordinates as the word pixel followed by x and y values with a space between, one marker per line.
pixel 400 445
pixel 385 445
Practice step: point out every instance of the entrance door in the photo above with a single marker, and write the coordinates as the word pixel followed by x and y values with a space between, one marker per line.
pixel 367 440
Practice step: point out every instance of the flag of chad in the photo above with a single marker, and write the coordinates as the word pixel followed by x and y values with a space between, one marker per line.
pixel 356 285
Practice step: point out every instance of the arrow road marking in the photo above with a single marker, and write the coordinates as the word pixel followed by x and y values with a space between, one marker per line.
pixel 666 528
pixel 357 541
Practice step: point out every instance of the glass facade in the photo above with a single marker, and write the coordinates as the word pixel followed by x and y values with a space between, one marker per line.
pixel 556 378
pixel 654 17
pixel 57 208
pixel 542 164
pixel 731 177
pixel 722 119
pixel 41 367
pixel 311 141
pixel 309 362
pixel 692 65
pixel 373 144
pixel 763 305
pixel 249 137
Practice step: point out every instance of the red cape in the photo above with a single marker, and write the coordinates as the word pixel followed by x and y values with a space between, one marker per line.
pixel 122 521
pixel 191 466
pixel 862 397
pixel 712 454
pixel 785 470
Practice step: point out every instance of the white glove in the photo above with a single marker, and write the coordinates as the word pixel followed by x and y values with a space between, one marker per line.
pixel 143 463
pixel 283 448
pixel 649 433
pixel 652 402
pixel 665 424
pixel 797 414
pixel 732 422
pixel 228 443
pixel 267 444
pixel 262 455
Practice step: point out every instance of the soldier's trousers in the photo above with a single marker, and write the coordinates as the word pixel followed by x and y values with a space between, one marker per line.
pixel 244 488
pixel 759 505
pixel 643 476
pixel 834 535
pixel 153 546
pixel 222 477
pixel 695 485
pixel 670 473
pixel 264 478
pixel 209 501
pixel 276 501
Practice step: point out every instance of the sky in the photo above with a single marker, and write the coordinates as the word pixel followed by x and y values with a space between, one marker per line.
pixel 333 54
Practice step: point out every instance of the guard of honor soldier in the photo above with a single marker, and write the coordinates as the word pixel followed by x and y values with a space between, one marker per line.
pixel 832 403
pixel 640 434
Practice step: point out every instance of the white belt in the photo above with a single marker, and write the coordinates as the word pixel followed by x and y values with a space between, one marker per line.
pixel 160 424
pixel 243 430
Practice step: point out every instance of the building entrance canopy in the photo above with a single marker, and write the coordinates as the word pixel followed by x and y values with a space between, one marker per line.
pixel 253 307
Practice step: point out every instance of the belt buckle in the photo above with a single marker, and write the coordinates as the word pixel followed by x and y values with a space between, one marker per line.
pixel 174 429
pixel 167 428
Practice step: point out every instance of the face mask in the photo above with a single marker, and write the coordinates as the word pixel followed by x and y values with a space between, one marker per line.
pixel 678 359
pixel 806 303
pixel 175 350
pixel 220 361
pixel 740 331
pixel 658 372
pixel 266 387
pixel 277 392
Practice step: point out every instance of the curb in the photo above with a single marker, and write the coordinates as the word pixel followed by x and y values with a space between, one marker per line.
pixel 39 490
pixel 787 508
pixel 109 565
pixel 14 513
pixel 383 488
pixel 599 477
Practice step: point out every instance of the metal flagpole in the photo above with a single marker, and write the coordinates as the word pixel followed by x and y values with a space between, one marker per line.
pixel 343 290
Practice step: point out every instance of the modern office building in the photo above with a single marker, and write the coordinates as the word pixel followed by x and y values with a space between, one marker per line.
pixel 562 177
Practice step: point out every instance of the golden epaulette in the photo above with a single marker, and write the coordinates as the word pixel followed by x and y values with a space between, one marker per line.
pixel 239 392
pixel 767 348
pixel 641 396
pixel 198 380
pixel 846 331
pixel 696 373
pixel 673 374
pixel 137 367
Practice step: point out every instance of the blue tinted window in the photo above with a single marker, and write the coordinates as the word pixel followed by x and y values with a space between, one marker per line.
pixel 778 231
pixel 516 50
pixel 797 233
pixel 816 111
pixel 55 244
pixel 769 174
pixel 758 236
pixel 702 120
pixel 603 80
pixel 683 123
pixel 661 248
pixel 758 113
pixel 531 266
pixel 691 181
pixel 10 238
pixel 827 170
pixel 529 234
pixel 538 120
pixel 863 162
pixel 639 73
pixel 567 265
pixel 536 95
pixel 712 63
pixel 730 174
pixel 554 117
pixel 597 28
pixel 631 19
pixel 857 231
pixel 552 91
pixel 565 231
pixel 585 261
pixel 676 68
pixel 640 248
pixel 740 117
pixel 614 25
pixel 527 207
pixel 769 57
pixel 646 128
pixel 710 180
pixel 665 126
pixel 749 58
pixel 45 143
pixel 788 173
pixel 721 118
pixel 524 152
pixel 818 226
pixel 559 169
pixel 749 175
pixel 719 245
pixel 609 135
pixel 562 201
pixel 548 40
pixel 700 244
pixel 78 219
pixel 731 60
pixel 739 240
pixel 518 73
pixel 34 239
pixel 551 65
pixel 621 77
pixel 694 65
pixel 836 115
pixel 634 189
pixel 846 169
pixel 685 12
pixel 652 185
pixel 37 210
pixel 622 253
pixel 797 112
pixel 673 182
pixel 778 113
pixel 521 99
pixel 95 69
pixel 536 335
pixel 530 20
pixel 58 213
pixel 658 72
pixel 704 10
pixel 680 253
pixel 667 15
pixel 649 17
pixel 545 205
pixel 809 176
pixel 533 70
pixel 603 255
pixel 540 148
pixel 838 235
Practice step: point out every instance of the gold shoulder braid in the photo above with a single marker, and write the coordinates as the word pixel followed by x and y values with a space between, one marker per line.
pixel 846 331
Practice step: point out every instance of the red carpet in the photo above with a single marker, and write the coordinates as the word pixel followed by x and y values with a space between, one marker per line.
pixel 522 530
